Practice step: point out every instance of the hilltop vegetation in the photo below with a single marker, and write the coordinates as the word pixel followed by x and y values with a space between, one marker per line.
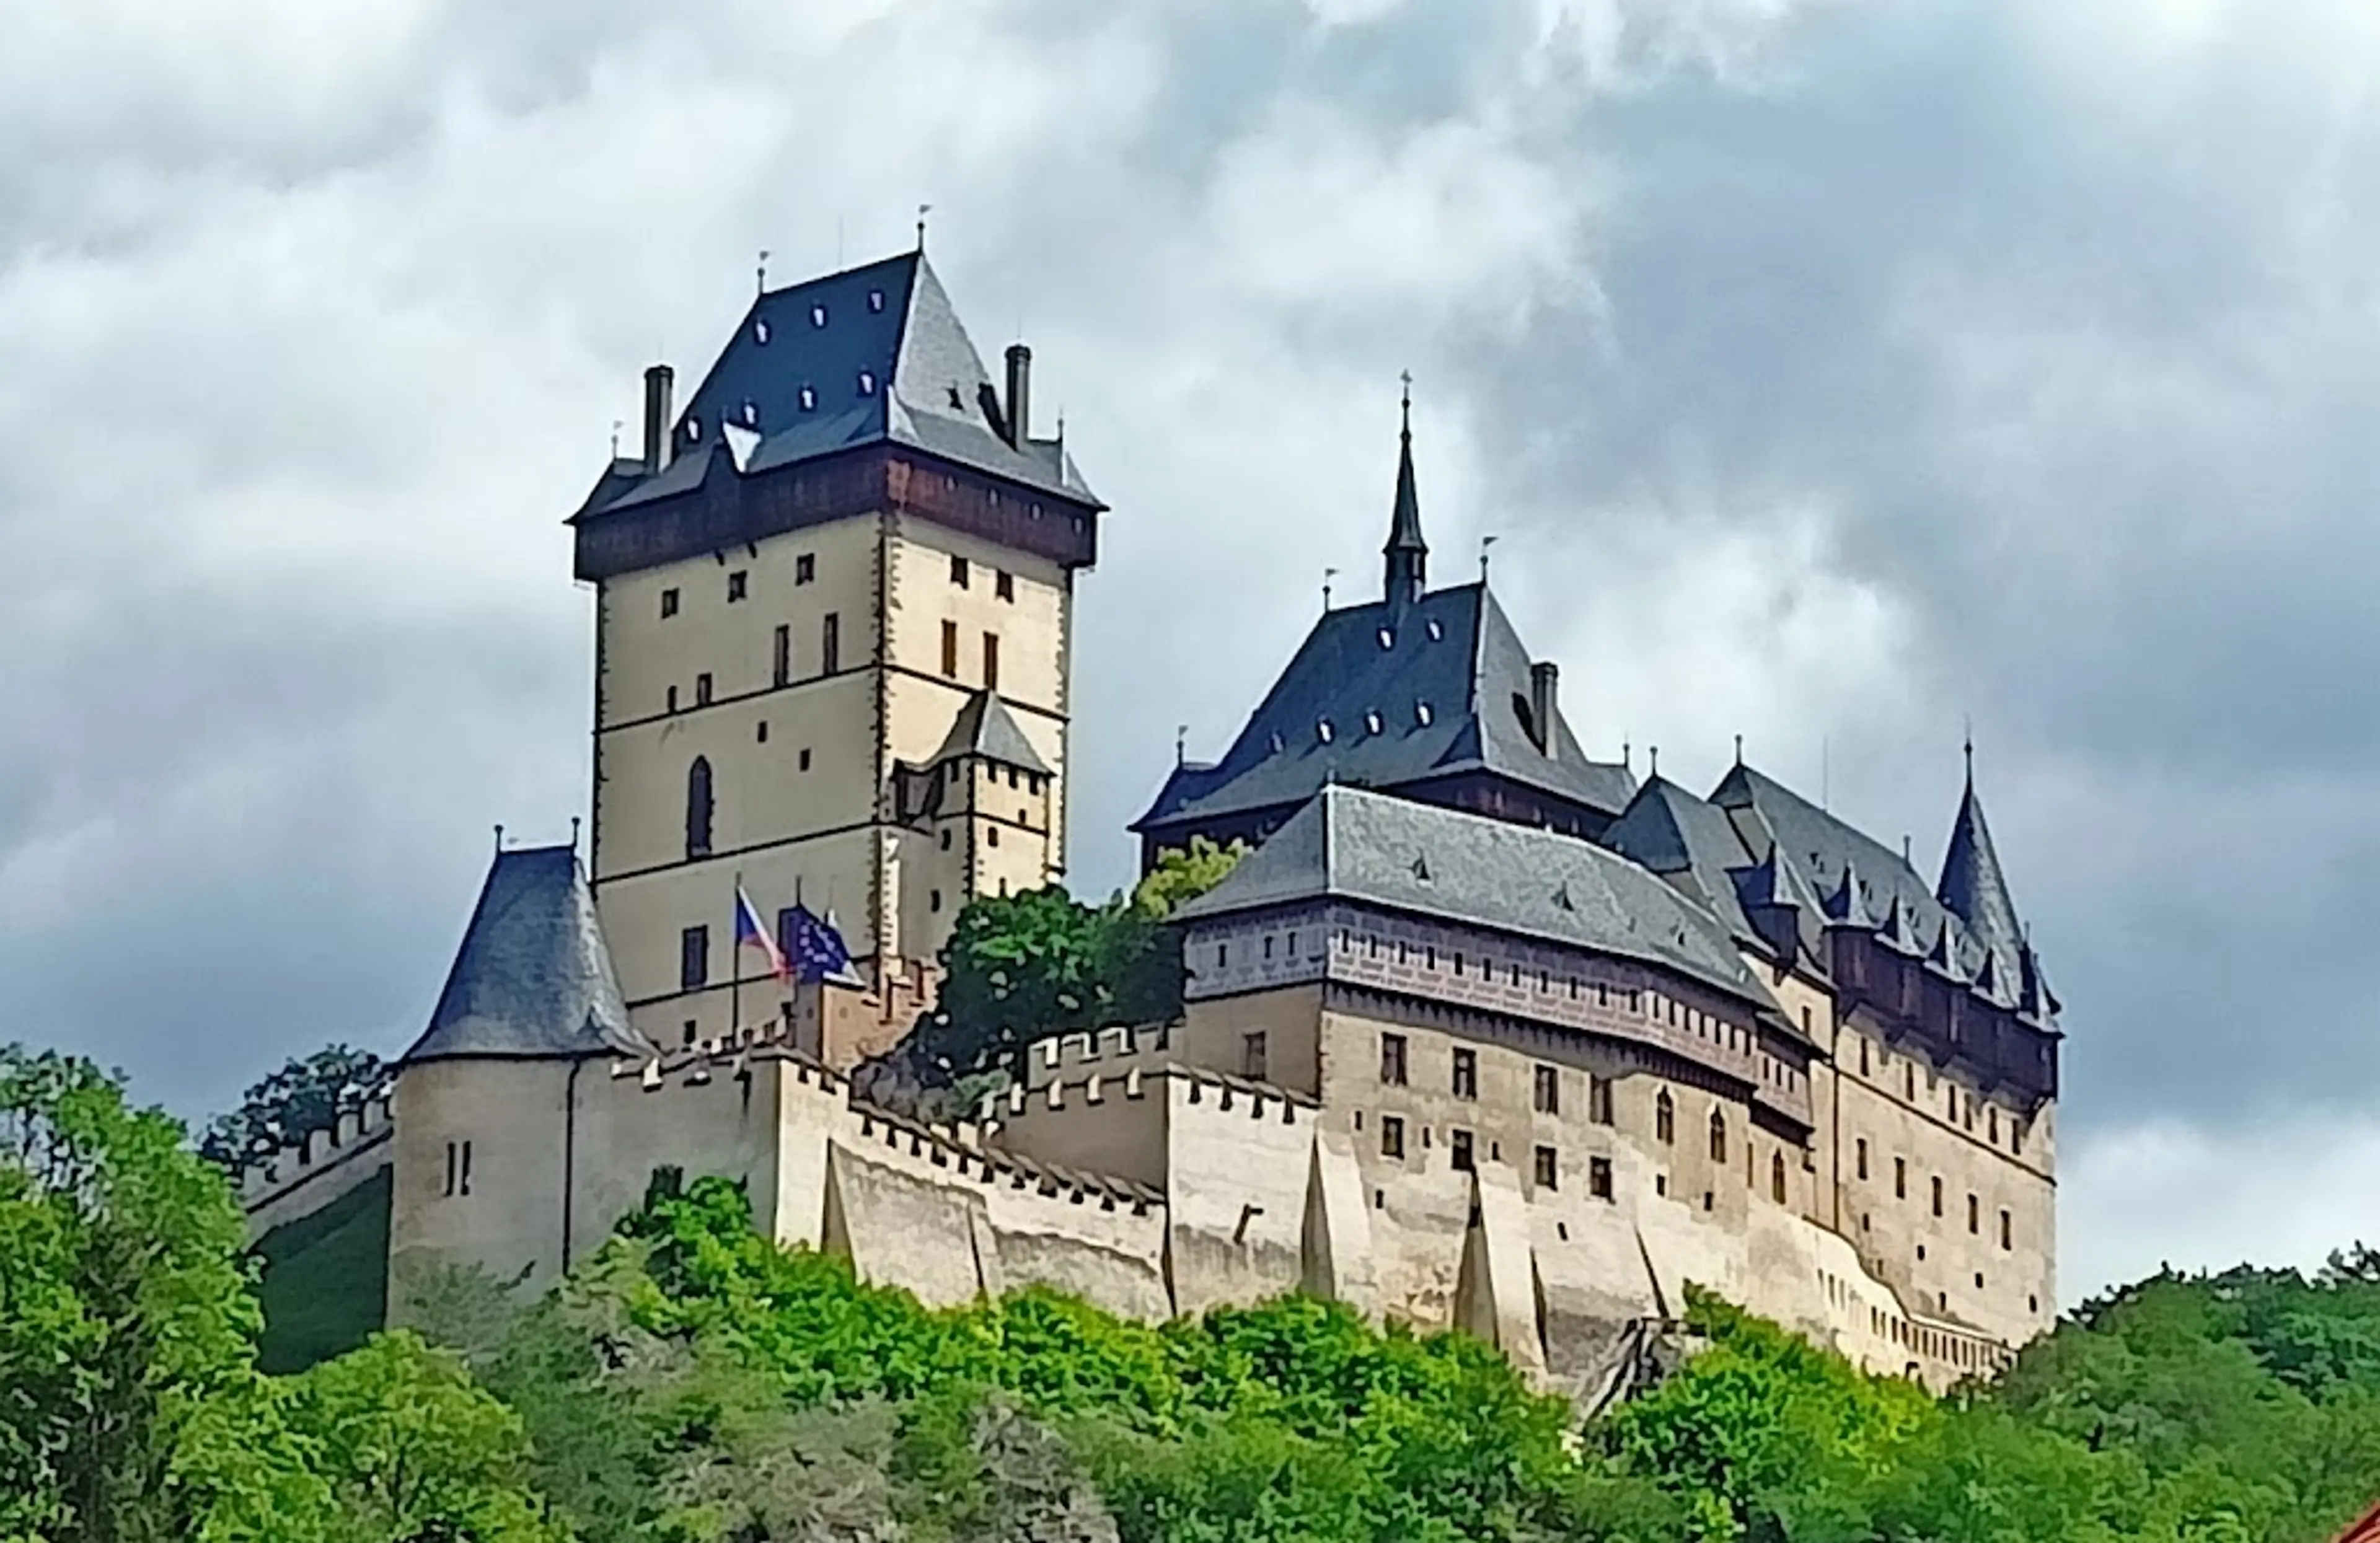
pixel 695 1382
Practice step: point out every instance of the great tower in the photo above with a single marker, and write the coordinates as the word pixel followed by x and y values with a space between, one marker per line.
pixel 834 621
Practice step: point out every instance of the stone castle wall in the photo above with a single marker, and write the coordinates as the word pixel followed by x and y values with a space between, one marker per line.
pixel 302 1178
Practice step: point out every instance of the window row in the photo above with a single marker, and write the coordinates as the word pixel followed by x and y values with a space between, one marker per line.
pixel 991 656
pixel 1545 1093
pixel 1901 1192
pixel 701 807
pixel 783 663
pixel 1960 1106
pixel 1003 583
pixel 1544 1162
pixel 739 584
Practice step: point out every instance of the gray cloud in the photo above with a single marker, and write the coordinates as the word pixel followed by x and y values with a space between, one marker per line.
pixel 1830 373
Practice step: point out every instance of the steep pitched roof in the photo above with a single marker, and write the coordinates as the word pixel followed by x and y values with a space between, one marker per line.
pixel 1441 677
pixel 1972 884
pixel 1823 848
pixel 872 355
pixel 1689 842
pixel 985 727
pixel 1352 844
pixel 533 977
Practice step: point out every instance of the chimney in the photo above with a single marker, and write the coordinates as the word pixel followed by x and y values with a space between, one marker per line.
pixel 1543 704
pixel 659 379
pixel 1020 394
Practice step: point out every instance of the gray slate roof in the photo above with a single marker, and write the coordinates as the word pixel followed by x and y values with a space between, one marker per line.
pixel 1819 847
pixel 985 727
pixel 1441 687
pixel 884 358
pixel 1972 886
pixel 1348 843
pixel 533 977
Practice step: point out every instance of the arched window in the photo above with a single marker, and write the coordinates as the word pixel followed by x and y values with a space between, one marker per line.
pixel 1718 1136
pixel 1665 1119
pixel 1776 1177
pixel 698 808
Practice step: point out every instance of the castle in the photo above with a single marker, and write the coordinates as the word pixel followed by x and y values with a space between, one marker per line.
pixel 1482 1032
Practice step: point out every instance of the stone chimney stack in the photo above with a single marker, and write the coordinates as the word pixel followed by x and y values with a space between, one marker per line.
pixel 1020 394
pixel 659 380
pixel 1544 704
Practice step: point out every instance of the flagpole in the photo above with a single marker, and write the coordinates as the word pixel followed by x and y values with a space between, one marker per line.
pixel 735 964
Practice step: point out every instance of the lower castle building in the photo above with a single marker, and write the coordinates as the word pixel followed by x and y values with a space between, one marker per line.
pixel 1481 1033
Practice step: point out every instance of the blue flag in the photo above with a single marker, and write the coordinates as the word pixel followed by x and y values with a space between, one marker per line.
pixel 815 951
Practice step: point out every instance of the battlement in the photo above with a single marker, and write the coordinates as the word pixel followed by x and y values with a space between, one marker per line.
pixel 365 1128
pixel 1109 1050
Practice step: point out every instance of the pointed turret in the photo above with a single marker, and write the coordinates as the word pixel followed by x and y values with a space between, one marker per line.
pixel 1848 905
pixel 1944 955
pixel 1407 553
pixel 1972 886
pixel 1897 931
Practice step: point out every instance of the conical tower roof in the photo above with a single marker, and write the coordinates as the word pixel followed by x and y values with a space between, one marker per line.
pixel 1972 887
pixel 533 977
pixel 1407 555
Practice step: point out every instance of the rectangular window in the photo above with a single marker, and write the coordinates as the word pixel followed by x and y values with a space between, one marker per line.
pixel 1900 1178
pixel 1598 1177
pixel 1458 1151
pixel 950 649
pixel 804 568
pixel 673 699
pixel 2007 1231
pixel 1937 1194
pixel 694 957
pixel 1863 1157
pixel 1004 584
pixel 1392 1059
pixel 1466 1073
pixel 702 690
pixel 959 572
pixel 467 1168
pixel 454 1167
pixel 829 644
pixel 669 602
pixel 991 664
pixel 781 671
pixel 1252 1056
pixel 1863 1055
pixel 1975 1215
pixel 739 584
pixel 1549 1099
pixel 1392 1137
pixel 1548 1169
pixel 1598 1100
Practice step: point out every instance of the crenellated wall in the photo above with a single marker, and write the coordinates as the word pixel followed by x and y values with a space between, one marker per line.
pixel 302 1178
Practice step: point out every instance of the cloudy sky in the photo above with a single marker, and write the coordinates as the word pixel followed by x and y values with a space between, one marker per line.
pixel 1831 372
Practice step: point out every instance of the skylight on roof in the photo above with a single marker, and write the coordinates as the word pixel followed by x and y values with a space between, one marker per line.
pixel 817 316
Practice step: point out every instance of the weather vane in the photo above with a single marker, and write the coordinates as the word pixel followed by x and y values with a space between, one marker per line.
pixel 1328 575
pixel 1485 543
pixel 923 210
pixel 760 271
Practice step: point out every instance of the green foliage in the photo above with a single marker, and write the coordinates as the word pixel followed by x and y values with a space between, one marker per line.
pixel 324 1281
pixel 1018 967
pixel 303 1098
pixel 1181 875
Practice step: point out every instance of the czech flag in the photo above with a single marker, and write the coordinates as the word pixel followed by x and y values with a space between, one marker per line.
pixel 750 932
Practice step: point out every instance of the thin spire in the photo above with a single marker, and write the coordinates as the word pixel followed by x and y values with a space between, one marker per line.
pixel 923 210
pixel 761 272
pixel 1407 553
pixel 1328 575
pixel 1973 885
pixel 1739 749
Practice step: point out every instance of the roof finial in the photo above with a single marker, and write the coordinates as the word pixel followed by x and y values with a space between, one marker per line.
pixel 1407 555
pixel 761 272
pixel 1627 756
pixel 1655 752
pixel 617 424
pixel 1739 749
pixel 574 834
pixel 1904 848
pixel 500 837
pixel 1969 747
pixel 1485 543
pixel 923 210
pixel 1181 744
pixel 1405 377
pixel 1328 575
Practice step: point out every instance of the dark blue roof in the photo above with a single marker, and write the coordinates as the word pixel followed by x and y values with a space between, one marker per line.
pixel 1972 884
pixel 869 355
pixel 533 977
pixel 1387 695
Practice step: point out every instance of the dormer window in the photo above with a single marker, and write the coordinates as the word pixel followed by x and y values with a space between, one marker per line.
pixel 751 413
pixel 1436 631
pixel 867 383
pixel 1422 714
pixel 1322 731
pixel 693 428
pixel 876 300
pixel 760 330
pixel 817 316
pixel 1388 638
pixel 1276 742
pixel 1372 723
pixel 810 399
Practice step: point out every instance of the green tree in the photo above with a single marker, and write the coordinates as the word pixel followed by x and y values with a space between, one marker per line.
pixel 1019 968
pixel 133 1409
pixel 1183 874
pixel 412 1448
pixel 304 1096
